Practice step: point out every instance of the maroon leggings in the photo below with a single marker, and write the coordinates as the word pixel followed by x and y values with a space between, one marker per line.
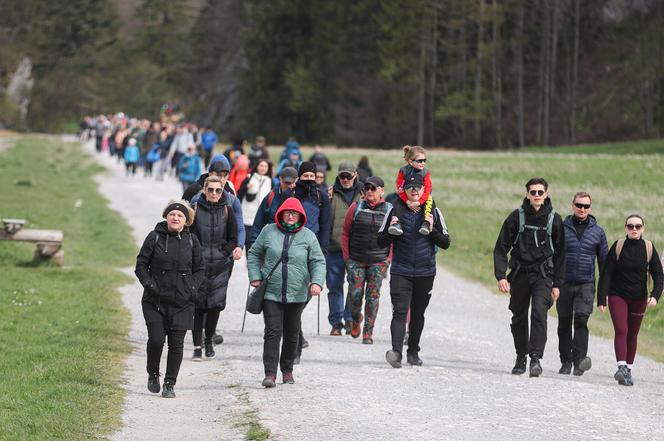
pixel 626 316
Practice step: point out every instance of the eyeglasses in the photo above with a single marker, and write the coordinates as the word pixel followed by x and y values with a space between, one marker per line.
pixel 420 161
pixel 214 190
pixel 291 213
pixel 370 188
pixel 580 206
pixel 346 176
pixel 634 226
pixel 537 192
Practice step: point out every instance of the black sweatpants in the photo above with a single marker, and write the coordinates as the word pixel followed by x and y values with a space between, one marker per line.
pixel 405 292
pixel 205 319
pixel 281 319
pixel 574 305
pixel 527 286
pixel 157 333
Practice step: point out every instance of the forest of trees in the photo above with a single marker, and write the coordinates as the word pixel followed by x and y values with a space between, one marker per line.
pixel 457 73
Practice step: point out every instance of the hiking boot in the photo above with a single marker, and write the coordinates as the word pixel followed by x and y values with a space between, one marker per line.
pixel 288 378
pixel 296 360
pixel 584 364
pixel 535 367
pixel 621 375
pixel 367 341
pixel 209 349
pixel 198 354
pixel 270 380
pixel 520 365
pixel 356 327
pixel 336 330
pixel 566 368
pixel 424 229
pixel 153 383
pixel 393 358
pixel 217 338
pixel 413 359
pixel 168 391
pixel 305 343
pixel 395 230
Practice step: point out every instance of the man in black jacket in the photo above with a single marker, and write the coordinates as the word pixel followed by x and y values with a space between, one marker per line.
pixel 533 236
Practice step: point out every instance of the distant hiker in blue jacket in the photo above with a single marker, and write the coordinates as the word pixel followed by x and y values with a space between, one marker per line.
pixel 131 156
pixel 189 167
pixel 208 141
pixel 585 242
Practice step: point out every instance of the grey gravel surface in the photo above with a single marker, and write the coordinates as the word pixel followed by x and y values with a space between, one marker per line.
pixel 345 390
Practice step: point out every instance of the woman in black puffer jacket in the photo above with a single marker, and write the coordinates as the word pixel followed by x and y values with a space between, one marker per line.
pixel 216 230
pixel 170 268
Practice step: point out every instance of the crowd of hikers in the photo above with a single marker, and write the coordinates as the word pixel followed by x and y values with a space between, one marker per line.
pixel 300 235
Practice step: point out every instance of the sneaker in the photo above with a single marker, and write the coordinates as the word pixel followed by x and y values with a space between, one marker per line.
pixel 393 358
pixel 395 230
pixel 336 330
pixel 356 327
pixel 566 368
pixel 424 229
pixel 270 380
pixel 153 383
pixel 367 341
pixel 305 343
pixel 413 359
pixel 198 354
pixel 348 326
pixel 520 365
pixel 584 364
pixel 217 338
pixel 168 391
pixel 288 378
pixel 535 367
pixel 209 349
pixel 296 360
pixel 628 379
pixel 621 375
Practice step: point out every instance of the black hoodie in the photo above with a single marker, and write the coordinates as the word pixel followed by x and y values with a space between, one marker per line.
pixel 531 249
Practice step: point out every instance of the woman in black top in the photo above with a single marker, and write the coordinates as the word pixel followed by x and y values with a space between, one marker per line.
pixel 624 280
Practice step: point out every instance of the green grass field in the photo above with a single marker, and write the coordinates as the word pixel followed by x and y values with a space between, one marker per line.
pixel 62 333
pixel 477 190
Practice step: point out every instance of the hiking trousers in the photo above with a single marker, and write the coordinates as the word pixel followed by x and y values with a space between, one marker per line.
pixel 574 307
pixel 364 281
pixel 413 293
pixel 530 286
pixel 281 319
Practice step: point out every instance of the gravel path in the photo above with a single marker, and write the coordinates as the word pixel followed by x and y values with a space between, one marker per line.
pixel 346 390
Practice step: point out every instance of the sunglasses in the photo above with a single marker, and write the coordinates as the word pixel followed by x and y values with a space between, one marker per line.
pixel 580 206
pixel 214 190
pixel 537 192
pixel 420 161
pixel 370 188
pixel 345 176
pixel 634 226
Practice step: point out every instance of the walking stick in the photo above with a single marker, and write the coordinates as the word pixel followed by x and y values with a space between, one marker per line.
pixel 244 317
pixel 318 313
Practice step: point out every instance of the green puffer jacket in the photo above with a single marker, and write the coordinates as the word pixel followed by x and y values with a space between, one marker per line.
pixel 306 262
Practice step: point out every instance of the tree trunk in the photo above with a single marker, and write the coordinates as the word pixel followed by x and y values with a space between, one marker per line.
pixel 543 76
pixel 519 77
pixel 478 77
pixel 551 83
pixel 422 84
pixel 575 72
pixel 496 77
pixel 432 78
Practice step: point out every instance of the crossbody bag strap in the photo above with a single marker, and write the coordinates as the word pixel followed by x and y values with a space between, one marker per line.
pixel 290 241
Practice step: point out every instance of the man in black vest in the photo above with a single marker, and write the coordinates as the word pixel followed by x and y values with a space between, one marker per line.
pixel 533 235
pixel 413 268
pixel 366 262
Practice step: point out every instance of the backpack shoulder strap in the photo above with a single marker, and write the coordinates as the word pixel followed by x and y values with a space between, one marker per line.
pixel 522 224
pixel 620 243
pixel 549 228
pixel 269 198
pixel 358 208
pixel 648 250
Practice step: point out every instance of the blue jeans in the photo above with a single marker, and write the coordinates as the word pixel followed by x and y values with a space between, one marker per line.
pixel 335 278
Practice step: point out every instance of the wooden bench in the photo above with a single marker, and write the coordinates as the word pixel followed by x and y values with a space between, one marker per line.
pixel 49 242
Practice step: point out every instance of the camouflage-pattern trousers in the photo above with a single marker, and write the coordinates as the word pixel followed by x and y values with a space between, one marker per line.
pixel 364 280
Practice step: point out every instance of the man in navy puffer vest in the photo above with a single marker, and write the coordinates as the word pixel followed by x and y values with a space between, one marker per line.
pixel 585 241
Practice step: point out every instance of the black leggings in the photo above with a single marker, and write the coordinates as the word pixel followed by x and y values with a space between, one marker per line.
pixel 210 317
pixel 413 293
pixel 156 339
pixel 281 319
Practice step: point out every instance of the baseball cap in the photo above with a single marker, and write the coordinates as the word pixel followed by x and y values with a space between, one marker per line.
pixel 414 180
pixel 288 174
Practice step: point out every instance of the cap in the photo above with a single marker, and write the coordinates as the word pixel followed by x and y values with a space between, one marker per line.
pixel 288 174
pixel 346 166
pixel 220 166
pixel 376 181
pixel 414 180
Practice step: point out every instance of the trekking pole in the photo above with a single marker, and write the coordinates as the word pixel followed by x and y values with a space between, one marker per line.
pixel 318 313
pixel 244 317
